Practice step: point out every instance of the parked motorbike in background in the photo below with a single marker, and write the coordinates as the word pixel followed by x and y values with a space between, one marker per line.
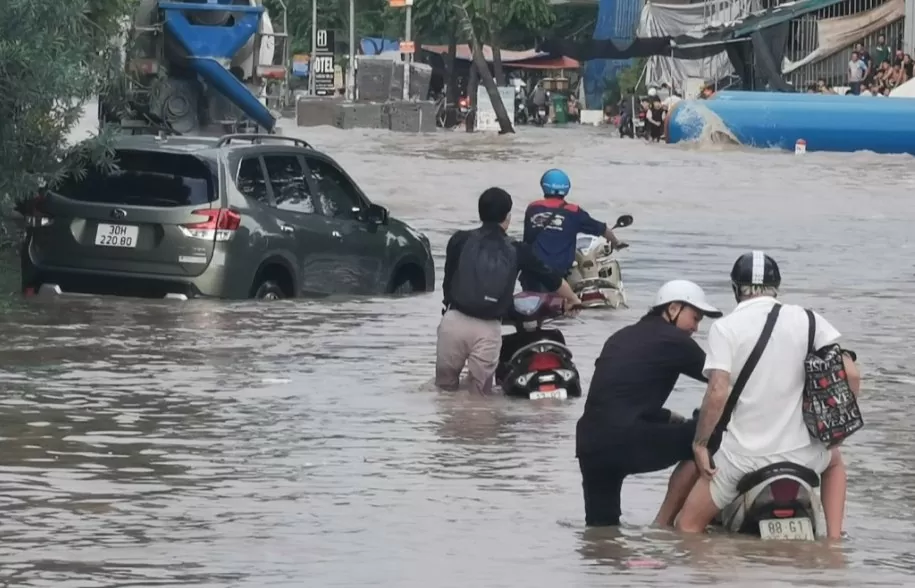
pixel 463 109
pixel 539 114
pixel 521 114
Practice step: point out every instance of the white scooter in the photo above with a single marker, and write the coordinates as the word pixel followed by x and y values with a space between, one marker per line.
pixel 778 501
pixel 595 276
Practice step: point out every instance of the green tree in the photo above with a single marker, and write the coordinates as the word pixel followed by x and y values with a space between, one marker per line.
pixel 516 15
pixel 373 18
pixel 629 81
pixel 54 57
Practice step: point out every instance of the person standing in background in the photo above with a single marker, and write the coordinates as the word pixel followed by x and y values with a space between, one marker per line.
pixel 857 70
pixel 881 52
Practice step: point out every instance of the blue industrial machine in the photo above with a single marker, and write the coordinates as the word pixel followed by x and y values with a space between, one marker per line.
pixel 202 66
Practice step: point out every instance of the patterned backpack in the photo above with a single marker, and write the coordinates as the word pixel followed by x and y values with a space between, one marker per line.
pixel 830 408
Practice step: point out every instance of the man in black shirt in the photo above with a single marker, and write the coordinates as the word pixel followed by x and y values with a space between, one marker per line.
pixel 466 335
pixel 625 429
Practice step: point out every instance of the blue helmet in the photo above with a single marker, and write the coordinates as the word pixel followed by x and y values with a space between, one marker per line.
pixel 555 182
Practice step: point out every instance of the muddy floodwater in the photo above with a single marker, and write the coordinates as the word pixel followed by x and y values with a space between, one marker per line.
pixel 301 443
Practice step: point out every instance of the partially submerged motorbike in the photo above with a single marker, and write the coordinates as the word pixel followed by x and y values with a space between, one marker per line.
pixel 778 501
pixel 595 276
pixel 534 362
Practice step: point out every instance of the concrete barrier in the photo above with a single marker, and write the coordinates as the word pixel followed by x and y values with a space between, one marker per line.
pixel 359 115
pixel 315 111
pixel 394 115
pixel 592 117
pixel 411 117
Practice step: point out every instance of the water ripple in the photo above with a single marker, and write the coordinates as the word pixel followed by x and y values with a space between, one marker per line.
pixel 301 443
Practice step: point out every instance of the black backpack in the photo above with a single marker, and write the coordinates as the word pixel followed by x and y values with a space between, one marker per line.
pixel 484 282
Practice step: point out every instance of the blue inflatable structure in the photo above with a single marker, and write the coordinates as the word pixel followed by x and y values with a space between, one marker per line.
pixel 825 122
pixel 774 96
pixel 208 47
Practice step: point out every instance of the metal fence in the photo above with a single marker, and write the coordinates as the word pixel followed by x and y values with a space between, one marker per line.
pixel 802 41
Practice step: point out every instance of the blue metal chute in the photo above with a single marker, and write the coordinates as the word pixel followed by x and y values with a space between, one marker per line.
pixel 211 48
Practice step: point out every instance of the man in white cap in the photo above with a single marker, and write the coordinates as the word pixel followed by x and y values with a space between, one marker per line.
pixel 765 424
pixel 625 428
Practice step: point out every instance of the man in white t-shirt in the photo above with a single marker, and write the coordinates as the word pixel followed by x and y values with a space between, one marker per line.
pixel 767 424
pixel 670 101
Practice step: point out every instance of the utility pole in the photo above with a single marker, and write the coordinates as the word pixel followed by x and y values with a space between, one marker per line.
pixel 908 38
pixel 314 43
pixel 351 74
pixel 407 37
pixel 406 45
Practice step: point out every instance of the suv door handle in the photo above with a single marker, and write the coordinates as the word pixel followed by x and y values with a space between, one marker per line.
pixel 287 228
pixel 337 234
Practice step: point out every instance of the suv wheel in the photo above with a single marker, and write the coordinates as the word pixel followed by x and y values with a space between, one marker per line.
pixel 405 287
pixel 269 290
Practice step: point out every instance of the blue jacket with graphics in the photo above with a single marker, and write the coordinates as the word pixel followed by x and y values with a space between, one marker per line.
pixel 554 243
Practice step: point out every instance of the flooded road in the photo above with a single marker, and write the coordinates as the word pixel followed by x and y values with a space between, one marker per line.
pixel 301 443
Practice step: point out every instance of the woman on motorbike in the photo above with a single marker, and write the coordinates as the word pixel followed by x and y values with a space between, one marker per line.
pixel 625 428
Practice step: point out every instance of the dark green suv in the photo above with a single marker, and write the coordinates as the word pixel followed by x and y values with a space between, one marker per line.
pixel 241 216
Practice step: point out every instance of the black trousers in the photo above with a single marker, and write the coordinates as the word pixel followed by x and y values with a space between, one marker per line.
pixel 646 447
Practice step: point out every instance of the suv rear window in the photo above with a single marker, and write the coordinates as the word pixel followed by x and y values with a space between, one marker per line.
pixel 145 178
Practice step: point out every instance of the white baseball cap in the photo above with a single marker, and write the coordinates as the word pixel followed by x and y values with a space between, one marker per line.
pixel 688 293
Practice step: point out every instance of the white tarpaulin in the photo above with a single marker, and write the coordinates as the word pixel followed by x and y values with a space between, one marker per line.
pixel 906 90
pixel 671 20
pixel 835 34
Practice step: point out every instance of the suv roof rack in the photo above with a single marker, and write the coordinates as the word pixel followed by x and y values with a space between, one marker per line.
pixel 258 137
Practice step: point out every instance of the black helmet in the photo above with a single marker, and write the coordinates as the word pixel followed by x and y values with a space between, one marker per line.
pixel 756 269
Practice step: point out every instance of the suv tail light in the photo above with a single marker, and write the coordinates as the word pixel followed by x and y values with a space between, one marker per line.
pixel 220 224
pixel 34 212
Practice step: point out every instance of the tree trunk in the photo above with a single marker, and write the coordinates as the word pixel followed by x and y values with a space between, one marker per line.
pixel 494 44
pixel 472 83
pixel 451 95
pixel 482 68
pixel 497 59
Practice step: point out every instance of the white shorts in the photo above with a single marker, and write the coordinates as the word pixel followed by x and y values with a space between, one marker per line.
pixel 731 468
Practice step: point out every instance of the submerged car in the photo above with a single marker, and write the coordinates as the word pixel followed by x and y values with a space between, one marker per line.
pixel 240 216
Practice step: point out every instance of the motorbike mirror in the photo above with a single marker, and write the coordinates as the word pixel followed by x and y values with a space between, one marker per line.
pixel 623 221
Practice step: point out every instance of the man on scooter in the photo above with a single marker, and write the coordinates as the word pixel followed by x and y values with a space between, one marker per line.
pixel 625 428
pixel 551 228
pixel 766 425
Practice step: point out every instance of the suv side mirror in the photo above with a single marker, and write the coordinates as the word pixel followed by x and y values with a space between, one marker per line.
pixel 376 214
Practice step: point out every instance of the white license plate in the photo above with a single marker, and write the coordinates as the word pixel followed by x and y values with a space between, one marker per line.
pixel 557 394
pixel 116 235
pixel 542 112
pixel 787 529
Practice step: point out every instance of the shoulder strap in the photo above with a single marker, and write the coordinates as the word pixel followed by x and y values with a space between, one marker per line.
pixel 749 367
pixel 811 330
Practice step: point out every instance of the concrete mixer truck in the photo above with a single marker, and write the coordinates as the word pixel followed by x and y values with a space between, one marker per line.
pixel 201 67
